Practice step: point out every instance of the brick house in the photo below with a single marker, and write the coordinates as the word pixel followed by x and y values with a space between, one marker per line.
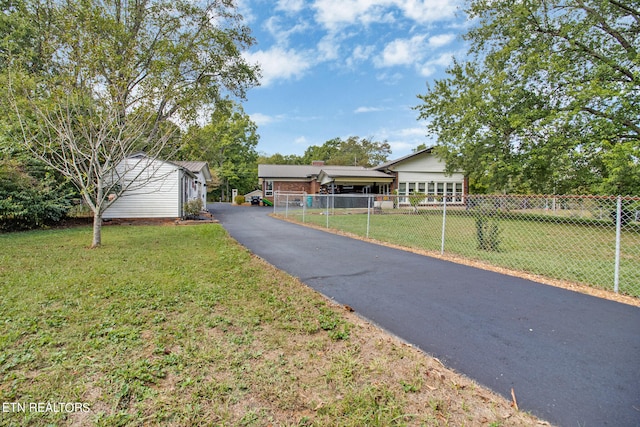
pixel 319 178
pixel 417 173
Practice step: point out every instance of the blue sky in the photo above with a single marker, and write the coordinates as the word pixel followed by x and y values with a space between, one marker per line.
pixel 340 68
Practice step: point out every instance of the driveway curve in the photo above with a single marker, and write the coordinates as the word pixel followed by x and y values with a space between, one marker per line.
pixel 571 359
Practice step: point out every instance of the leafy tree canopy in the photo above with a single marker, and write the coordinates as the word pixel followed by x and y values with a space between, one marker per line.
pixel 228 143
pixel 92 82
pixel 280 159
pixel 354 151
pixel 548 101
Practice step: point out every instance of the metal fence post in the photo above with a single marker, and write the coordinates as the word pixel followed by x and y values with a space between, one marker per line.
pixel 616 270
pixel 304 205
pixel 286 207
pixel 368 214
pixel 327 211
pixel 444 223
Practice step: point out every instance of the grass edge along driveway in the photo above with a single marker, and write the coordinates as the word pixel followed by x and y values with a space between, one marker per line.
pixel 181 326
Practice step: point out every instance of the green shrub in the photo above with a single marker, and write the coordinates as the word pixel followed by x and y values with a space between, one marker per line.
pixel 239 200
pixel 488 233
pixel 27 202
pixel 415 200
pixel 192 208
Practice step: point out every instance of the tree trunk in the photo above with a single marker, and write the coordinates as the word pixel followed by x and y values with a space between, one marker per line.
pixel 97 230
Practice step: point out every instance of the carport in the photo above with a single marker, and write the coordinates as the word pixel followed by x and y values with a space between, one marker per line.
pixel 348 181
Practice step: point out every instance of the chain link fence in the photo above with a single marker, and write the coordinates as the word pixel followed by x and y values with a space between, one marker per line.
pixel 579 239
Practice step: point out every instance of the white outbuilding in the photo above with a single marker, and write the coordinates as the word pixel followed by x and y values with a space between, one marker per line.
pixel 157 188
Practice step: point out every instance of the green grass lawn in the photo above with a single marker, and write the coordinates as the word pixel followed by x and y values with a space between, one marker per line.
pixel 168 325
pixel 558 250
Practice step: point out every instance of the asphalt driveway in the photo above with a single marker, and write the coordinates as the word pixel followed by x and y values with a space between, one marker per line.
pixel 572 359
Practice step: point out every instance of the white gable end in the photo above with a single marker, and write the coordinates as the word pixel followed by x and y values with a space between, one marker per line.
pixel 155 190
pixel 425 167
pixel 424 163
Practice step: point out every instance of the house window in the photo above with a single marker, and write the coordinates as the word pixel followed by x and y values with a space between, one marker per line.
pixel 449 191
pixel 402 190
pixel 458 194
pixel 431 189
pixel 383 189
pixel 268 188
pixel 435 191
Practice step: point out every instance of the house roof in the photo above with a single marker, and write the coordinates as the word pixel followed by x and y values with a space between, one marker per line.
pixel 402 159
pixel 287 171
pixel 142 155
pixel 191 167
pixel 327 173
pixel 195 167
pixel 360 173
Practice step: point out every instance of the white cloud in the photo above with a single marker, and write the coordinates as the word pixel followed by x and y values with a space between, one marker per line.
pixel 301 140
pixel 264 119
pixel 424 11
pixel 245 10
pixel 282 62
pixel 290 6
pixel 402 52
pixel 334 14
pixel 362 53
pixel 367 110
pixel 403 140
pixel 431 66
pixel 444 60
pixel 359 54
pixel 337 13
pixel 441 40
pixel 426 70
pixel 389 79
pixel 414 132
pixel 400 146
pixel 329 47
pixel 279 64
pixel 281 35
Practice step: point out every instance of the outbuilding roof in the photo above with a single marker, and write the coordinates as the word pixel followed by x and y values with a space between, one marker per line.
pixel 195 167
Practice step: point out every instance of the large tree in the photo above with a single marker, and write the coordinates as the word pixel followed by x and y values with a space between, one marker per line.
pixel 280 159
pixel 548 100
pixel 228 143
pixel 112 75
pixel 353 151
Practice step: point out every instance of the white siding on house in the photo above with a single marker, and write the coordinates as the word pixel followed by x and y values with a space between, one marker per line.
pixel 158 195
pixel 429 176
pixel 424 167
pixel 201 189
pixel 425 162
pixel 202 177
pixel 424 174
